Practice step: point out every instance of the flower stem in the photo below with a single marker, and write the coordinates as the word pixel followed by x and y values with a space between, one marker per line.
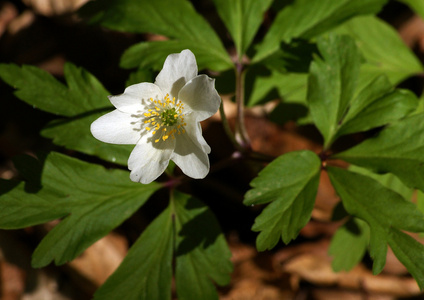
pixel 227 128
pixel 241 135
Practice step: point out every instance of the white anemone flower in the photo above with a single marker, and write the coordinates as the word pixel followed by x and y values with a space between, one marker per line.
pixel 162 120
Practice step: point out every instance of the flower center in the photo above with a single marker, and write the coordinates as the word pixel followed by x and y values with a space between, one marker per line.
pixel 165 118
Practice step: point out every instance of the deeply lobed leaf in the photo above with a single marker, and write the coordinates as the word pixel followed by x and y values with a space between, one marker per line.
pixel 40 89
pixel 201 253
pixel 93 200
pixel 332 83
pixel 376 105
pixel 309 18
pixel 176 19
pixel 383 49
pixel 146 271
pixel 349 244
pixel 384 210
pixel 290 183
pixel 83 100
pixel 398 149
pixel 189 232
pixel 242 19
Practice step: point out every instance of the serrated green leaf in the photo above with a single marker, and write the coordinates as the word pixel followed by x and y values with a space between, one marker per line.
pixel 150 54
pixel 75 134
pixel 291 87
pixel 349 244
pixel 153 54
pixel 202 254
pixel 309 18
pixel 377 105
pixel 384 210
pixel 242 19
pixel 83 100
pixel 398 149
pixel 332 83
pixel 176 19
pixel 388 180
pixel 382 48
pixel 40 89
pixel 410 253
pixel 94 200
pixel 146 272
pixel 291 183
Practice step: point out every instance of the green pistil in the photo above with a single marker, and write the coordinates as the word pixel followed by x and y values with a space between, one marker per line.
pixel 169 117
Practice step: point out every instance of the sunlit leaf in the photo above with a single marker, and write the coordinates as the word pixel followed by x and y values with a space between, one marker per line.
pixel 309 18
pixel 332 83
pixel 242 19
pixel 202 253
pixel 290 183
pixel 176 19
pixel 398 149
pixel 75 134
pixel 384 210
pixel 146 271
pixel 82 100
pixel 349 244
pixel 376 105
pixel 93 201
pixel 38 88
pixel 382 48
pixel 410 253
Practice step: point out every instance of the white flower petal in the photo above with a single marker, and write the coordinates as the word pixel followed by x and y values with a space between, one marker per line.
pixel 116 128
pixel 194 131
pixel 135 96
pixel 190 157
pixel 149 160
pixel 177 70
pixel 200 97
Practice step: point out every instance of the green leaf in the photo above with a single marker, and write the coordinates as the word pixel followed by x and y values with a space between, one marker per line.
pixel 332 83
pixel 410 253
pixel 383 209
pixel 146 272
pixel 376 105
pixel 153 54
pixel 149 54
pixel 75 134
pixel 382 48
pixel 140 75
pixel 415 5
pixel 388 180
pixel 420 201
pixel 83 100
pixel 294 57
pixel 202 254
pixel 176 19
pixel 349 244
pixel 291 87
pixel 290 183
pixel 398 149
pixel 40 89
pixel 242 19
pixel 309 18
pixel 93 200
